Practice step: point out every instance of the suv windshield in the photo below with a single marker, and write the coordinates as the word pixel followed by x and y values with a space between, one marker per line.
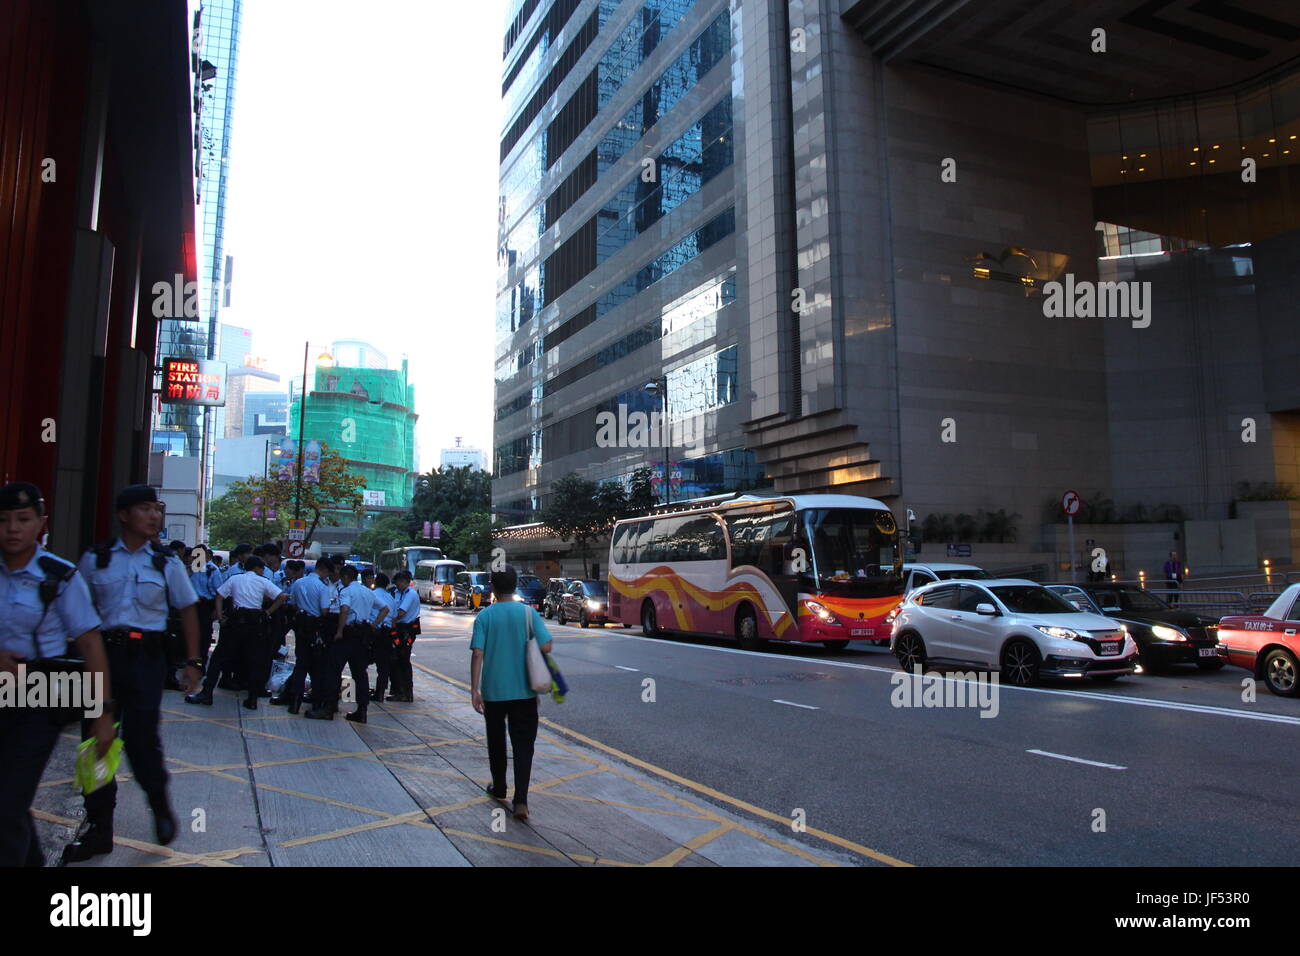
pixel 594 588
pixel 528 581
pixel 1132 599
pixel 1033 599
pixel 964 574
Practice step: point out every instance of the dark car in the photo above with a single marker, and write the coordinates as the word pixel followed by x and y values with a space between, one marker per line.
pixel 555 589
pixel 1164 635
pixel 586 602
pixel 467 584
pixel 531 590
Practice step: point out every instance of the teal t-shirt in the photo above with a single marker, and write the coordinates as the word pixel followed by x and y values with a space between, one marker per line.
pixel 500 633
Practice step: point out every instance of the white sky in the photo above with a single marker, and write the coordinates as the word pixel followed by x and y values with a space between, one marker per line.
pixel 363 193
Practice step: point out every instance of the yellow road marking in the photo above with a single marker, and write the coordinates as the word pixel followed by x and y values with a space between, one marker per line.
pixel 686 849
pixel 707 791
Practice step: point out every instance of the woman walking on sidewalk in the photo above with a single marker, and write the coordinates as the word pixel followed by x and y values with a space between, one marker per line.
pixel 499 684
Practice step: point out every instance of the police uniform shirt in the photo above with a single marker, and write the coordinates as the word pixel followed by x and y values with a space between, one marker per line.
pixel 277 578
pixel 230 572
pixel 131 593
pixel 334 590
pixel 382 599
pixel 205 582
pixel 247 591
pixel 70 614
pixel 310 595
pixel 356 596
pixel 408 602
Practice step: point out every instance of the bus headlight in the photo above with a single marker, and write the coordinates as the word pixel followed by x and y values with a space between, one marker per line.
pixel 823 615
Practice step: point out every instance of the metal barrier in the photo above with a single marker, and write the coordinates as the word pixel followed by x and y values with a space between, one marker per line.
pixel 1034 572
pixel 1201 599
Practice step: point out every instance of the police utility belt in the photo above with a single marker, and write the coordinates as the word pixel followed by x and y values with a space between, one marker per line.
pixel 149 641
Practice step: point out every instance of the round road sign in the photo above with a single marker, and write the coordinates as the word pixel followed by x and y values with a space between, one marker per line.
pixel 1071 502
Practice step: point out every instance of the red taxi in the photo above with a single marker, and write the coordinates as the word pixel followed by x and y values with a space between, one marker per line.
pixel 1268 644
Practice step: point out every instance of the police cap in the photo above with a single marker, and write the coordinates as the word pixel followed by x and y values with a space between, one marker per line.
pixel 133 495
pixel 21 494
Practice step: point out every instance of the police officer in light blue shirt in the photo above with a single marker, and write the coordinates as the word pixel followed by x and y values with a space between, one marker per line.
pixel 348 646
pixel 381 640
pixel 44 604
pixel 205 583
pixel 406 621
pixel 310 595
pixel 134 581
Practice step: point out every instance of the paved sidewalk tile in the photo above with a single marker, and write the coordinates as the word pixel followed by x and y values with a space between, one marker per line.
pixel 406 789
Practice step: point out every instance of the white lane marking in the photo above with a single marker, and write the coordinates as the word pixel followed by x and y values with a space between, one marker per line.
pixel 622 668
pixel 1086 695
pixel 790 703
pixel 1090 763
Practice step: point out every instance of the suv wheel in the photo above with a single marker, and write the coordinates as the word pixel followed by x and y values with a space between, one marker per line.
pixel 1280 672
pixel 1020 660
pixel 910 651
pixel 582 619
pixel 560 618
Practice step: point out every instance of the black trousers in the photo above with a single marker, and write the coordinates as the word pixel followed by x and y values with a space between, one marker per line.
pixel 243 643
pixel 400 667
pixel 520 716
pixel 381 655
pixel 352 650
pixel 136 675
pixel 27 738
pixel 308 652
pixel 204 611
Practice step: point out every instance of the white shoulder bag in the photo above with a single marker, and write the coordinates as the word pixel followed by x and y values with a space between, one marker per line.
pixel 539 675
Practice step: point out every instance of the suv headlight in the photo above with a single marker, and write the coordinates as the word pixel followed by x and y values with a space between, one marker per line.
pixel 1061 633
pixel 1168 633
pixel 823 615
pixel 593 605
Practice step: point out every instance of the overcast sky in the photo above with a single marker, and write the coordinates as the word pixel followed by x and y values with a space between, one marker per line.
pixel 363 193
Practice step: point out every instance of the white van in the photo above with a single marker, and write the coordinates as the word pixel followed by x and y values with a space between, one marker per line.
pixel 430 578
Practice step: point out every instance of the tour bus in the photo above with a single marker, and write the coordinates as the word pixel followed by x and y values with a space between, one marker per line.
pixel 432 576
pixel 399 559
pixel 825 568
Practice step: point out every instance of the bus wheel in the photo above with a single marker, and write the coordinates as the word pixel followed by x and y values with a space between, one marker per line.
pixel 649 623
pixel 835 645
pixel 747 630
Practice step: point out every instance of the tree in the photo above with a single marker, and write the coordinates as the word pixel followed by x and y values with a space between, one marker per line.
pixel 444 494
pixel 338 490
pixel 231 521
pixel 472 534
pixel 580 510
pixel 640 495
pixel 390 531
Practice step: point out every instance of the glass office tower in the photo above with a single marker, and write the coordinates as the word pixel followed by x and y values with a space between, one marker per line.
pixel 617 254
pixel 180 429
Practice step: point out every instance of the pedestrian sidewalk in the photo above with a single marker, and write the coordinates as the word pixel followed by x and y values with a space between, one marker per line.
pixel 406 789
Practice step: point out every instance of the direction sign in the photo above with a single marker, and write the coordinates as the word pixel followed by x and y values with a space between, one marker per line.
pixel 1071 502
pixel 296 549
pixel 297 524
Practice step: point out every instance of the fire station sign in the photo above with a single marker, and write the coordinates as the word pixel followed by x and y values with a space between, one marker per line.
pixel 193 382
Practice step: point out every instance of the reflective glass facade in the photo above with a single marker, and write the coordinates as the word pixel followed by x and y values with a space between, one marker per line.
pixel 617 250
pixel 219 28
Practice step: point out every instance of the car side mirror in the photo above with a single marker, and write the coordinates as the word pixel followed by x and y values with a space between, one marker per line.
pixel 987 609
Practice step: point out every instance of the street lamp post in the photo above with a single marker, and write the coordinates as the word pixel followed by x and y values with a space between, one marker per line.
pixel 326 360
pixel 660 386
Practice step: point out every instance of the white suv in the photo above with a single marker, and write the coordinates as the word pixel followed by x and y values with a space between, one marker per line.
pixel 1013 626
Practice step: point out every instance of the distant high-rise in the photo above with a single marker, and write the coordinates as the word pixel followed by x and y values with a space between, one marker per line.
pixel 461 456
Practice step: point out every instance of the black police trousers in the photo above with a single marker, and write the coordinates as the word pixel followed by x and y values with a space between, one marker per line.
pixel 243 644
pixel 136 674
pixel 27 738
pixel 205 609
pixel 352 649
pixel 381 654
pixel 309 654
pixel 400 666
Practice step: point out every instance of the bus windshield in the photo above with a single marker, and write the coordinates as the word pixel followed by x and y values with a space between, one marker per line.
pixel 854 551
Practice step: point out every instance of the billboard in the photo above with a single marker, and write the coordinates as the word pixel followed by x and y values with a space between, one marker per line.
pixel 193 382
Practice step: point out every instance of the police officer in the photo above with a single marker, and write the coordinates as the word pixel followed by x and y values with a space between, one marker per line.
pixel 381 640
pixel 44 604
pixel 233 676
pixel 243 635
pixel 406 621
pixel 310 596
pixel 205 586
pixel 134 581
pixel 348 646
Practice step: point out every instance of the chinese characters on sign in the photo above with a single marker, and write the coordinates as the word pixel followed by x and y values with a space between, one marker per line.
pixel 193 382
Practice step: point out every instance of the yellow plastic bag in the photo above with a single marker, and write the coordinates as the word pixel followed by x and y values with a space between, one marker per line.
pixel 92 771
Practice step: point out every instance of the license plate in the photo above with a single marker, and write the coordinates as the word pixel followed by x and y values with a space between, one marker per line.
pixel 863 631
pixel 1208 652
pixel 1109 650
